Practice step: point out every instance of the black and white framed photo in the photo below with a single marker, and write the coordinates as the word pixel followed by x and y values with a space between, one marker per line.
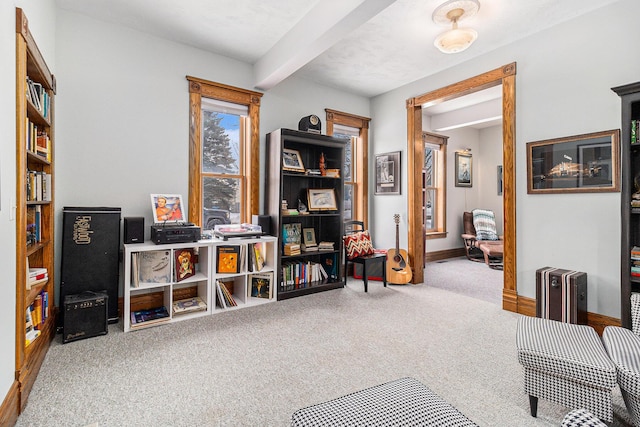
pixel 464 172
pixel 291 160
pixel 388 173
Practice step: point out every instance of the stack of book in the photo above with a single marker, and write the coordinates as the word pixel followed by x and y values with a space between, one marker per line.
pixel 325 246
pixel 37 275
pixel 292 249
pixel 149 317
pixel 635 262
pixel 189 305
pixel 310 247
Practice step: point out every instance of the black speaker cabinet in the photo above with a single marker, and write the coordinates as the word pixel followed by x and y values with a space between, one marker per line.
pixel 134 229
pixel 90 254
pixel 85 316
pixel 263 221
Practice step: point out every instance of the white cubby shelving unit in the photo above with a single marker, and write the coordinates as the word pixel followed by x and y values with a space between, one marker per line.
pixel 203 282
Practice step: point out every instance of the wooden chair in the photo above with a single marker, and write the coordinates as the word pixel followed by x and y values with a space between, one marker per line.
pixel 351 227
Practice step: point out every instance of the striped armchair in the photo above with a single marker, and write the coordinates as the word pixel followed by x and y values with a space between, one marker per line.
pixel 623 347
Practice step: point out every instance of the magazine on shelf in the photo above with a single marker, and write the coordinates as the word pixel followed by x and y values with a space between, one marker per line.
pixel 185 259
pixel 189 305
pixel 228 259
pixel 147 317
pixel 153 266
pixel 261 285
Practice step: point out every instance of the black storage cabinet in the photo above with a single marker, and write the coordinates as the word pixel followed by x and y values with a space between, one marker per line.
pixel 561 295
pixel 90 254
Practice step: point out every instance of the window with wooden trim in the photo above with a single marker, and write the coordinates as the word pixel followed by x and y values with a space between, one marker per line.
pixel 355 130
pixel 224 153
pixel 434 184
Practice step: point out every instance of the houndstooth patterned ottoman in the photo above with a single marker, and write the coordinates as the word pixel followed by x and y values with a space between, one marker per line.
pixel 566 364
pixel 623 347
pixel 403 402
pixel 581 418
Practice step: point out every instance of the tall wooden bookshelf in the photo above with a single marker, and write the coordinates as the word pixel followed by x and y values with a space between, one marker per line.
pixel 35 92
pixel 292 187
pixel 630 184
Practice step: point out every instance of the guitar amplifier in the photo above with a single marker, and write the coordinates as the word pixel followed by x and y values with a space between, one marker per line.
pixel 85 316
pixel 561 295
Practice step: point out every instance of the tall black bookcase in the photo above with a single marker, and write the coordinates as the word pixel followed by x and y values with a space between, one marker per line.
pixel 630 184
pixel 292 187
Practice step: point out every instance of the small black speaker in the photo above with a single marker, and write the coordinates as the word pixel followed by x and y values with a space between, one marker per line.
pixel 263 221
pixel 85 316
pixel 134 229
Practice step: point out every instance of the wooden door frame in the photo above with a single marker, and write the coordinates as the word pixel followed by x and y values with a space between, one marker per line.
pixel 504 76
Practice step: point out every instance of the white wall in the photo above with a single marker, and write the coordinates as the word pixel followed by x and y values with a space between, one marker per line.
pixel 122 113
pixel 41 16
pixel 563 82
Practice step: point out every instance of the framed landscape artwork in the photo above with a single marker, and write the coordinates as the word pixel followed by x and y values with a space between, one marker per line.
pixel 388 173
pixel 588 163
pixel 322 199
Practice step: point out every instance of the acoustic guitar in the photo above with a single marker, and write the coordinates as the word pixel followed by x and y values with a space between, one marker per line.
pixel 398 269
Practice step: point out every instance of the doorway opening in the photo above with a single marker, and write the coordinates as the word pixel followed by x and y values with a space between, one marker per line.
pixel 504 76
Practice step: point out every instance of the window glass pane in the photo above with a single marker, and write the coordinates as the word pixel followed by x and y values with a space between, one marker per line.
pixel 348 201
pixel 346 172
pixel 429 158
pixel 220 201
pixel 430 210
pixel 220 142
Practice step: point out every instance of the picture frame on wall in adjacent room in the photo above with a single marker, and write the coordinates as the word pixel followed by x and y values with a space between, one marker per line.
pixel 464 169
pixel 388 173
pixel 588 163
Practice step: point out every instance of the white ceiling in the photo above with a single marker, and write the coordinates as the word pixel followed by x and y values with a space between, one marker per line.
pixel 365 47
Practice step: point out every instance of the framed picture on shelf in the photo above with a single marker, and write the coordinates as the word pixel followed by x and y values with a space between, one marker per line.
pixel 309 237
pixel 388 173
pixel 167 208
pixel 464 171
pixel 321 199
pixel 588 163
pixel 291 160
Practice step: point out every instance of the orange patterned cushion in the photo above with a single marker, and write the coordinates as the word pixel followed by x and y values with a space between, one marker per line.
pixel 358 244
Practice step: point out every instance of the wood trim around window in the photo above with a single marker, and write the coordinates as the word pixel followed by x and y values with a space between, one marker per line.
pixel 505 76
pixel 197 89
pixel 361 209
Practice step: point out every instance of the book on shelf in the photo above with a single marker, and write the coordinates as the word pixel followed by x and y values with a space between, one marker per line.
pixel 228 259
pixel 220 299
pixel 635 131
pixel 147 317
pixel 301 274
pixel 325 246
pixel 258 255
pixel 292 249
pixel 308 248
pixel 292 233
pixel 225 295
pixel 185 263
pixel 151 267
pixel 189 305
pixel 261 285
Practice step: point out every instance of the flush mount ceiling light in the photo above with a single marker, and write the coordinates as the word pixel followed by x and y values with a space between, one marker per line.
pixel 450 13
